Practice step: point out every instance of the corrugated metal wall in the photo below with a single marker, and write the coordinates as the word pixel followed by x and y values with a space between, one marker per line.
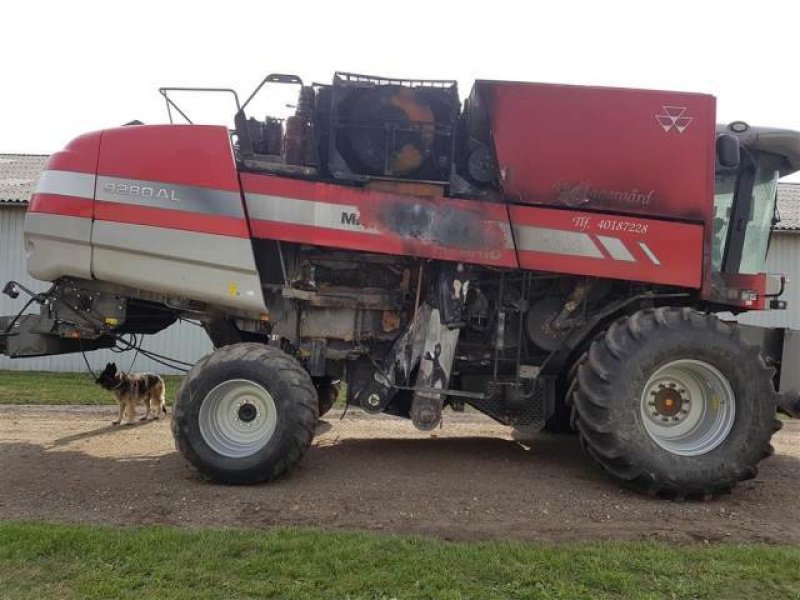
pixel 783 257
pixel 182 341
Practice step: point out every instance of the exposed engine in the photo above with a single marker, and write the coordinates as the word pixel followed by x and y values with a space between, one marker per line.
pixel 362 129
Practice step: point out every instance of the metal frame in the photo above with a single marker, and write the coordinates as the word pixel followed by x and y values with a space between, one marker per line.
pixel 272 78
pixel 164 91
pixel 374 80
pixel 741 208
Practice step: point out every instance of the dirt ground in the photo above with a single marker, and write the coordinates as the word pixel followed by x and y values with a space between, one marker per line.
pixel 468 480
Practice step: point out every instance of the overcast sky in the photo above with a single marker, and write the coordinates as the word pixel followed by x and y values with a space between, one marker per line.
pixel 71 67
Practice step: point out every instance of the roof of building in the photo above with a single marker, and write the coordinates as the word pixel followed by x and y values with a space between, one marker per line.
pixel 788 207
pixel 18 174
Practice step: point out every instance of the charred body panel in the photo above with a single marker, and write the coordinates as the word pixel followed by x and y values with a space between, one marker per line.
pixel 361 219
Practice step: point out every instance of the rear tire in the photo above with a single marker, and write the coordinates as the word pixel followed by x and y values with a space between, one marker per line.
pixel 672 402
pixel 245 414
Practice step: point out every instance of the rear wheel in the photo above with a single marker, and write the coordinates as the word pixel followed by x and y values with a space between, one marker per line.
pixel 245 414
pixel 671 401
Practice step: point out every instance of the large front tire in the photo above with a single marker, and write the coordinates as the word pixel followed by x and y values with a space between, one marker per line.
pixel 672 402
pixel 245 414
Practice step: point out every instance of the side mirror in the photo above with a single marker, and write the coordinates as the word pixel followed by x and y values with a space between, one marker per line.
pixel 728 150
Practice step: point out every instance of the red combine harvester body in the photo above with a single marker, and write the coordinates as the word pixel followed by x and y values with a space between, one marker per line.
pixel 551 255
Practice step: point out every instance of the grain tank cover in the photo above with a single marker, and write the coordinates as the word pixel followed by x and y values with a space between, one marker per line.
pixel 633 151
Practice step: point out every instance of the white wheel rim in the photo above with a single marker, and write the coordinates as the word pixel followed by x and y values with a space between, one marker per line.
pixel 688 407
pixel 237 418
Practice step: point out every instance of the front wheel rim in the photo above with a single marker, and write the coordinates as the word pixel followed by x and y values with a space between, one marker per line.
pixel 237 418
pixel 688 407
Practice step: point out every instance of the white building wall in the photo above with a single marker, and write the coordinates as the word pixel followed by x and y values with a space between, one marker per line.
pixel 183 341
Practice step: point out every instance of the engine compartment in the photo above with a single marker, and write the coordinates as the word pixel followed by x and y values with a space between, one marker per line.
pixel 358 128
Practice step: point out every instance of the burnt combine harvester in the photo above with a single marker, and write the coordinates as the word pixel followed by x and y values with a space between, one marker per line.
pixel 550 255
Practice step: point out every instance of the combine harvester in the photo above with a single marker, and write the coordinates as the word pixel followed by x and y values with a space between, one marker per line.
pixel 551 255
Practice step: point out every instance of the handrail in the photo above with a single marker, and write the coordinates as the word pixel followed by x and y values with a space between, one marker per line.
pixel 272 78
pixel 164 91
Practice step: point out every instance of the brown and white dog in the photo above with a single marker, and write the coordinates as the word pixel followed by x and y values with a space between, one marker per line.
pixel 131 389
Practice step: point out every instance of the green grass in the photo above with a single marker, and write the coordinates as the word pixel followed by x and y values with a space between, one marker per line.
pixel 56 561
pixel 33 387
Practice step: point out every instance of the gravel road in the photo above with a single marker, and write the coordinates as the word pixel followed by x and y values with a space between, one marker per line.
pixel 468 480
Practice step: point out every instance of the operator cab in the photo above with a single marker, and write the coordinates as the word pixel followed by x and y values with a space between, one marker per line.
pixel 750 160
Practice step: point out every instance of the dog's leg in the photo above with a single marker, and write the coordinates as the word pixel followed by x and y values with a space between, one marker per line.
pixel 146 416
pixel 158 400
pixel 119 416
pixel 152 406
pixel 130 410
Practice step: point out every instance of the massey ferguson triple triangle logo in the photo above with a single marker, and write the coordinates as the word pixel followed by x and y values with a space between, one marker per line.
pixel 674 118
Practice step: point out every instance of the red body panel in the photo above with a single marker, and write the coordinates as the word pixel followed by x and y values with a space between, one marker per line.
pixel 57 204
pixel 79 156
pixel 604 245
pixel 741 289
pixel 634 151
pixel 195 155
pixel 172 219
